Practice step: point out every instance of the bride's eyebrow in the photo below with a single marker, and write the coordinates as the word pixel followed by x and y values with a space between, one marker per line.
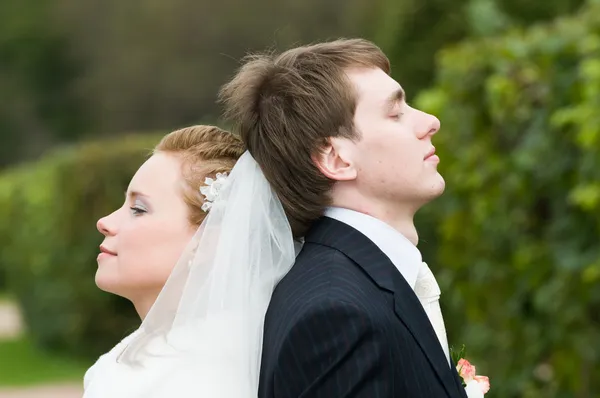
pixel 135 194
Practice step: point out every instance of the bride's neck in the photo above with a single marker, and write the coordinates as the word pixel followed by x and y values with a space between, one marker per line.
pixel 143 305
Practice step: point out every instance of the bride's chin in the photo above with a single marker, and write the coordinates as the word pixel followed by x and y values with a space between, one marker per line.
pixel 107 283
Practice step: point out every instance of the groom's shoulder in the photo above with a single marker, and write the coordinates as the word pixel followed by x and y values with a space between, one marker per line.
pixel 325 263
pixel 322 273
pixel 322 285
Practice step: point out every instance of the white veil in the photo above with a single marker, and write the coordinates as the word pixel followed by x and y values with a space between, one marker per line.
pixel 210 312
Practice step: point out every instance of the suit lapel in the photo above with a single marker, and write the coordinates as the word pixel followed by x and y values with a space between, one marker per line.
pixel 458 381
pixel 381 270
pixel 411 313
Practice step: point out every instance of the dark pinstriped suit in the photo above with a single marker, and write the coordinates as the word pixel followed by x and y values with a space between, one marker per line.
pixel 345 323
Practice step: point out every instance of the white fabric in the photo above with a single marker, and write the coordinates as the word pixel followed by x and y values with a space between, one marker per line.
pixel 406 257
pixel 473 390
pixel 203 335
pixel 428 292
pixel 103 363
pixel 401 251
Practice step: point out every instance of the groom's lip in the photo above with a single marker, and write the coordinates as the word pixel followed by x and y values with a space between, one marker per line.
pixel 430 153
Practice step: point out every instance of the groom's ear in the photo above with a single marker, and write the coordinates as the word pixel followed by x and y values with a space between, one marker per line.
pixel 335 160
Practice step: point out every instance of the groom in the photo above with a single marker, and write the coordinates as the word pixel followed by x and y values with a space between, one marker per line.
pixel 352 162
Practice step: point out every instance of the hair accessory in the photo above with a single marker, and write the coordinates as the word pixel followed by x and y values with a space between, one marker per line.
pixel 211 190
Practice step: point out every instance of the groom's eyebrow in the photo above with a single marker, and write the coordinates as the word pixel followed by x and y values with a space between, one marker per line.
pixel 397 97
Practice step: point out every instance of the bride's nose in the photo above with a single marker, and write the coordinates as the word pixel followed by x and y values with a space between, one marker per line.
pixel 107 225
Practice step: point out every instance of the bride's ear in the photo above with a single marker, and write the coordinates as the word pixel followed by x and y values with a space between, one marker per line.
pixel 335 160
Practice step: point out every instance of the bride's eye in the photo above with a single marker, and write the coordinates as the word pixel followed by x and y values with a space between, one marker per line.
pixel 137 210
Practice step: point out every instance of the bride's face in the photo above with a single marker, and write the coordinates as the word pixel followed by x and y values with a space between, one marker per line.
pixel 145 237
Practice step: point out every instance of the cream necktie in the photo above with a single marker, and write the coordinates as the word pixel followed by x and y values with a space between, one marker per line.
pixel 428 292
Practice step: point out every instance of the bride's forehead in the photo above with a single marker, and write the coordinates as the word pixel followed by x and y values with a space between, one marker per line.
pixel 161 172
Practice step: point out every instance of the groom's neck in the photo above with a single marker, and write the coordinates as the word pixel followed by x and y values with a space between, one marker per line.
pixel 399 218
pixel 401 221
pixel 404 225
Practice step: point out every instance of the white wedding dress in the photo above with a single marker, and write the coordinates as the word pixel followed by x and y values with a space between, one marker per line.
pixel 190 368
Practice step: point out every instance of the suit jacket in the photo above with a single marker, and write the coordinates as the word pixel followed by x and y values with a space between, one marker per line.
pixel 344 323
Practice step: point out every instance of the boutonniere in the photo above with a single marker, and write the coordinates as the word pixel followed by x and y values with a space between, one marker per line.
pixel 476 386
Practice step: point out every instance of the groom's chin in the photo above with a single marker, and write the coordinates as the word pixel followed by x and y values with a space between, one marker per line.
pixel 436 187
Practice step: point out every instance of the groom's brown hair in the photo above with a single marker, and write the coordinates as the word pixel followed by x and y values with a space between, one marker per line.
pixel 286 106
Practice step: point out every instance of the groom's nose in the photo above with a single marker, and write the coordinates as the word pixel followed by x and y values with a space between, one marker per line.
pixel 429 125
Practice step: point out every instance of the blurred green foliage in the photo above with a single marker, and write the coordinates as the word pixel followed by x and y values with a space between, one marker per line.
pixel 516 236
pixel 6 188
pixel 412 31
pixel 71 69
pixel 37 106
pixel 50 244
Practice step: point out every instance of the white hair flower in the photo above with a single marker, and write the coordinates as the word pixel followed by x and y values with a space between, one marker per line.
pixel 211 189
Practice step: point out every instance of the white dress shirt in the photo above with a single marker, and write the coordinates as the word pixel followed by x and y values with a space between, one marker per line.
pixel 401 251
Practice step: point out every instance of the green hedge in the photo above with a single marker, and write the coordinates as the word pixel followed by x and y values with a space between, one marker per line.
pixel 6 185
pixel 50 242
pixel 516 236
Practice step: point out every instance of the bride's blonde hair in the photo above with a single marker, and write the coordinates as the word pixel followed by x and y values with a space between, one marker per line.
pixel 205 151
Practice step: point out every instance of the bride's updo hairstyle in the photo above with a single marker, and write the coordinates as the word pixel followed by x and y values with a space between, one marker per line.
pixel 204 151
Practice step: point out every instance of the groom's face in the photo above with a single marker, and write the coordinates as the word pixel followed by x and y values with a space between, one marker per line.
pixel 393 157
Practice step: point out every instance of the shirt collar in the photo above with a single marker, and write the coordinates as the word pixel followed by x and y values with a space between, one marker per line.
pixel 401 251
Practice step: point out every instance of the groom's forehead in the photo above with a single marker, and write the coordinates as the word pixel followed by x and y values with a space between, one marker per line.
pixel 379 89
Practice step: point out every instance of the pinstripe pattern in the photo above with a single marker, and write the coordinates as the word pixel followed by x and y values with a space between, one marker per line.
pixel 344 323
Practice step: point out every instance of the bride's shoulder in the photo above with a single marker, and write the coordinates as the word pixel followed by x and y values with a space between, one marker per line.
pixel 108 357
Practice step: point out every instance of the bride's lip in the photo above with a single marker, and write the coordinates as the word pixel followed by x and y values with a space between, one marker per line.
pixel 103 249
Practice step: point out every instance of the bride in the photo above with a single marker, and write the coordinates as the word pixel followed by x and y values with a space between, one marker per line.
pixel 198 251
